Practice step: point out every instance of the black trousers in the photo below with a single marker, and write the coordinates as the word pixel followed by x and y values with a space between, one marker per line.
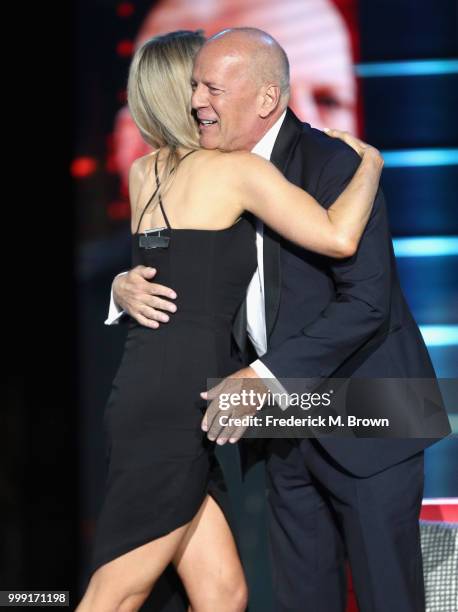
pixel 319 516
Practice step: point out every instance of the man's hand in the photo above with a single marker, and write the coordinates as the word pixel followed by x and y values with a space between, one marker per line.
pixel 141 299
pixel 244 380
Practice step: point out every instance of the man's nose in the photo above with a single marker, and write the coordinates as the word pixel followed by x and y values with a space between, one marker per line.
pixel 199 98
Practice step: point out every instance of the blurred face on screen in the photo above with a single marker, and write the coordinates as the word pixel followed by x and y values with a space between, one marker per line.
pixel 313 34
pixel 323 85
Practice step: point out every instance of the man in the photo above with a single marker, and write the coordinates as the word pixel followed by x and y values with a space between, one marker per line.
pixel 327 498
pixel 313 34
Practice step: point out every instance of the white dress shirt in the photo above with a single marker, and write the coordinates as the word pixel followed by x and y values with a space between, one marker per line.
pixel 256 313
pixel 256 318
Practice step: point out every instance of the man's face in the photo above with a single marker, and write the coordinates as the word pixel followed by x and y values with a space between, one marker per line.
pixel 225 98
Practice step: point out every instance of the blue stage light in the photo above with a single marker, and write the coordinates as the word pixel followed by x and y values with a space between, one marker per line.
pixel 440 335
pixel 420 157
pixel 431 246
pixel 407 68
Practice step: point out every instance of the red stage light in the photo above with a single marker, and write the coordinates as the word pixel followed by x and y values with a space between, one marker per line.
pixel 82 167
pixel 125 48
pixel 125 9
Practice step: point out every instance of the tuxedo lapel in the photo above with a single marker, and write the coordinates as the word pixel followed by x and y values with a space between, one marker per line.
pixel 288 135
pixel 283 149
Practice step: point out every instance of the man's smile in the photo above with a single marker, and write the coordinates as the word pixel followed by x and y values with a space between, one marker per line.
pixel 205 122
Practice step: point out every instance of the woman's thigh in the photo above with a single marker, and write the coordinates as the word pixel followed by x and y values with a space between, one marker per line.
pixel 208 562
pixel 133 574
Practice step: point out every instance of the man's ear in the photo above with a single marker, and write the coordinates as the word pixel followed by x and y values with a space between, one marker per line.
pixel 270 98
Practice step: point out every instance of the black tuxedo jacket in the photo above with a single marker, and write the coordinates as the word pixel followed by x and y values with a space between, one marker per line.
pixel 337 318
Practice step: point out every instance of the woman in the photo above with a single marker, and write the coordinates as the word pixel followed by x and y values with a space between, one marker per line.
pixel 164 497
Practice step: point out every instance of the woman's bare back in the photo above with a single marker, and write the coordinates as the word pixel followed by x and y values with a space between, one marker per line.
pixel 198 196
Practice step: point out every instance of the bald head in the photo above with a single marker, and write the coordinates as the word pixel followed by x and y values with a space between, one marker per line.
pixel 241 87
pixel 264 59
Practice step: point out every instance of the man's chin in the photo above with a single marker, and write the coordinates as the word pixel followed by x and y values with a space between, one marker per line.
pixel 207 142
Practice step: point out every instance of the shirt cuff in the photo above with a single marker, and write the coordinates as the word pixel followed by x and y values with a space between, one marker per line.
pixel 114 311
pixel 272 383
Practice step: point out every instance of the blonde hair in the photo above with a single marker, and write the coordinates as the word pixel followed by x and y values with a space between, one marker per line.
pixel 159 94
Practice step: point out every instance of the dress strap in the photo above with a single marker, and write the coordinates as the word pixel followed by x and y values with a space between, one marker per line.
pixel 186 154
pixel 157 189
pixel 145 207
pixel 160 199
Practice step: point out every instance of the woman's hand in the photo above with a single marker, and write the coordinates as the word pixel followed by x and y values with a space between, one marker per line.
pixel 362 148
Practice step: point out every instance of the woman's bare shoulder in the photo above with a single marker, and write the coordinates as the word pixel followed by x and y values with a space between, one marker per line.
pixel 142 166
pixel 232 163
pixel 140 169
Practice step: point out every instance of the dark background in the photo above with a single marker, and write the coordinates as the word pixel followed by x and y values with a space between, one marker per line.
pixel 69 236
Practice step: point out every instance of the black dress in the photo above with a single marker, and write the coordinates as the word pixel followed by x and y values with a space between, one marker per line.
pixel 161 465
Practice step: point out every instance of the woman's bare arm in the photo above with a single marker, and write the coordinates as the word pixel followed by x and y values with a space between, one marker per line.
pixel 297 216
